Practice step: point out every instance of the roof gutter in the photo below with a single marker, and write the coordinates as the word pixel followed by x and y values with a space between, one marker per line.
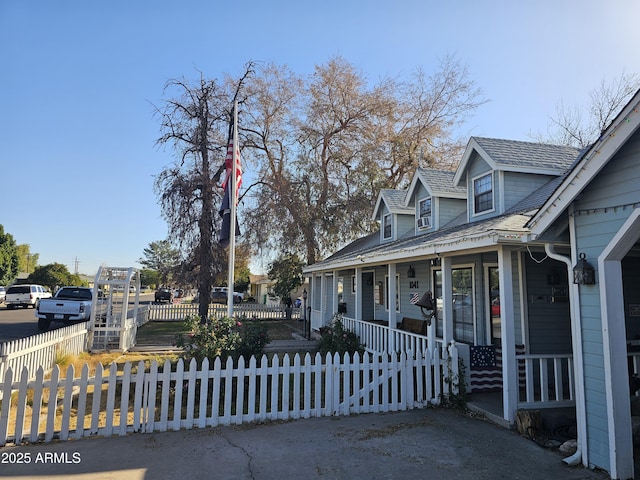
pixel 578 368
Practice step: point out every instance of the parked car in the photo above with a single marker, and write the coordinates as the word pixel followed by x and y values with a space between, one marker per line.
pixel 25 295
pixel 3 293
pixel 218 291
pixel 219 296
pixel 70 305
pixel 164 295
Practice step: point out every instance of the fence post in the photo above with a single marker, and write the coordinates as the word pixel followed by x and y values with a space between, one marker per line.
pixel 454 373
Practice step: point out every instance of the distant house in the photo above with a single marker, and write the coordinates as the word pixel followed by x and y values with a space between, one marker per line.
pixel 260 287
pixel 496 242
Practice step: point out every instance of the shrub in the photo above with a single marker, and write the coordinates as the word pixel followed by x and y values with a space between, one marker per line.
pixel 335 339
pixel 253 338
pixel 221 337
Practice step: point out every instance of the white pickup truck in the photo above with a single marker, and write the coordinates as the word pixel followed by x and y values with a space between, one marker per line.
pixel 70 305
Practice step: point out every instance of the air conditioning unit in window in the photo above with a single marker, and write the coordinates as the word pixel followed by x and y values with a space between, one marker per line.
pixel 423 222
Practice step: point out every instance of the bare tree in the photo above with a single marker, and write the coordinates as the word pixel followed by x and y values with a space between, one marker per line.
pixel 581 126
pixel 325 145
pixel 195 123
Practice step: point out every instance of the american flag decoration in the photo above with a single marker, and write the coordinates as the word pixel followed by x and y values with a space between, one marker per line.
pixel 486 370
pixel 485 373
pixel 413 298
pixel 229 173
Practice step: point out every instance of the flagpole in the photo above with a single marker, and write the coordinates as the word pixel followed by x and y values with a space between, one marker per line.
pixel 232 184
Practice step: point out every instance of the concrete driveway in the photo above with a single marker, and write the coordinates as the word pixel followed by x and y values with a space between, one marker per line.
pixel 424 444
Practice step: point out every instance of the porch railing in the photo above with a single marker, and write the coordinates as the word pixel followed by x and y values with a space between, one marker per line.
pixel 545 381
pixel 548 381
pixel 381 338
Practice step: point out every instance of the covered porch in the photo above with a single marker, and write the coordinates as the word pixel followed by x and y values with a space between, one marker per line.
pixel 506 310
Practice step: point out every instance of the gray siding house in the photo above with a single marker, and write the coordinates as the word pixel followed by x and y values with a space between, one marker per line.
pixel 496 243
pixel 597 206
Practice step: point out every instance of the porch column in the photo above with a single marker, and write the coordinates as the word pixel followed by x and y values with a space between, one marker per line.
pixel 334 302
pixel 323 299
pixel 358 298
pixel 392 296
pixel 507 325
pixel 447 302
pixel 392 305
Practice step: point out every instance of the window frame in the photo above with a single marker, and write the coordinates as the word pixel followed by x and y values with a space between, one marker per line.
pixel 489 193
pixel 429 215
pixel 386 217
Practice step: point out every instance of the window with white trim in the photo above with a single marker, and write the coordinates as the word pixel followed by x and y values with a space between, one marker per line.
pixel 483 194
pixel 424 213
pixel 386 226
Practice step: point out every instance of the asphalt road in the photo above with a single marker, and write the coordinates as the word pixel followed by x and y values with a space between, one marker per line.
pixel 425 444
pixel 18 323
pixel 21 322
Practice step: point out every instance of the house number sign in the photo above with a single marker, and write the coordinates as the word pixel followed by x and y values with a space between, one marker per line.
pixel 413 284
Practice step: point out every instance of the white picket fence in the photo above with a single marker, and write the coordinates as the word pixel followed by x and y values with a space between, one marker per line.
pixel 41 350
pixel 178 311
pixel 137 399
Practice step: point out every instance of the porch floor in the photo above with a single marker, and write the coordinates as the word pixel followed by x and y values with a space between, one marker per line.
pixel 488 404
pixel 558 424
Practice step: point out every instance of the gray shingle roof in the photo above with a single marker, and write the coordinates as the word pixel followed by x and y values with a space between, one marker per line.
pixel 370 246
pixel 512 153
pixel 440 183
pixel 395 200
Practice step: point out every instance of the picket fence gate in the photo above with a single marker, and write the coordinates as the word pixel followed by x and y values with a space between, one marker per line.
pixel 138 399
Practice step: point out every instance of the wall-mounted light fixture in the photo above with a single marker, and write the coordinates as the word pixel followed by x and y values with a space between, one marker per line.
pixel 411 273
pixel 583 273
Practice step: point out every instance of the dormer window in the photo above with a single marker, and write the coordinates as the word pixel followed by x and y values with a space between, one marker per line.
pixel 483 194
pixel 424 213
pixel 386 226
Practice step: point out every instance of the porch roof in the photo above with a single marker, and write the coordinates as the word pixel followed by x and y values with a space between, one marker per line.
pixel 368 250
pixel 458 235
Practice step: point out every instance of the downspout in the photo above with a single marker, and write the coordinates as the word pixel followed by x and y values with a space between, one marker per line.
pixel 576 335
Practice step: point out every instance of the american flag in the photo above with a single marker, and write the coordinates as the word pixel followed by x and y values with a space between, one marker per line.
pixel 413 298
pixel 229 173
pixel 486 368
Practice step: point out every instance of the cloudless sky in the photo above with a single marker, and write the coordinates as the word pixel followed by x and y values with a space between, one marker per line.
pixel 78 81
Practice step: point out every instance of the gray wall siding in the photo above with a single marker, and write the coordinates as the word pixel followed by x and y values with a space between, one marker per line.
pixel 448 209
pixel 549 320
pixel 518 186
pixel 615 186
pixel 348 297
pixel 418 285
pixel 405 224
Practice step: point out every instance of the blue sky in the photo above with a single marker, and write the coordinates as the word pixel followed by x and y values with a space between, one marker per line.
pixel 79 80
